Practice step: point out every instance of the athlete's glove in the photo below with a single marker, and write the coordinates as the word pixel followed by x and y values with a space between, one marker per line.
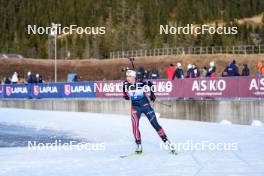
pixel 152 97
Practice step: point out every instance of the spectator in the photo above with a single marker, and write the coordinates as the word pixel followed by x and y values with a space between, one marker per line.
pixel 146 74
pixel 260 71
pixel 245 71
pixel 7 80
pixel 170 72
pixel 124 69
pixel 14 78
pixel 38 78
pixel 76 78
pixel 212 70
pixel 154 74
pixel 30 78
pixel 225 73
pixel 233 69
pixel 196 71
pixel 141 73
pixel 178 73
pixel 190 71
pixel 204 72
pixel 41 79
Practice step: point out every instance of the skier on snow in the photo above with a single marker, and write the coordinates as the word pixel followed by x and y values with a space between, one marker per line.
pixel 133 90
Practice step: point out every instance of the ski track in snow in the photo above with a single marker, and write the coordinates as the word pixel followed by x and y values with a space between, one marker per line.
pixel 115 131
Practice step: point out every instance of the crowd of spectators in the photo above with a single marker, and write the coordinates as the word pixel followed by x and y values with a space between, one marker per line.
pixel 192 71
pixel 143 73
pixel 173 72
pixel 16 79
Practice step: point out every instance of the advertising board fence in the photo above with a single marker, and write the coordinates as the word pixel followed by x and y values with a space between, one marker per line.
pixel 231 87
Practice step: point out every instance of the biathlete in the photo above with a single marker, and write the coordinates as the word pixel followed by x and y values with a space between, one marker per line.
pixel 134 90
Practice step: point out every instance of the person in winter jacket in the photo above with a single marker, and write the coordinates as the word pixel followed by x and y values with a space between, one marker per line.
pixel 178 72
pixel 190 71
pixel 212 70
pixel 225 73
pixel 30 78
pixel 154 74
pixel 245 71
pixel 233 69
pixel 204 72
pixel 260 70
pixel 7 80
pixel 170 71
pixel 14 79
pixel 196 71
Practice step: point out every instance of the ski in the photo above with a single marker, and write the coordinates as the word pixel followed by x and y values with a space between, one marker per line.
pixel 173 152
pixel 132 154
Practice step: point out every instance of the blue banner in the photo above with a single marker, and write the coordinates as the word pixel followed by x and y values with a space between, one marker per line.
pixel 50 90
pixel 17 91
pixel 80 90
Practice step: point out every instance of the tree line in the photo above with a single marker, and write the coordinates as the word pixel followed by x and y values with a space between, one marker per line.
pixel 130 24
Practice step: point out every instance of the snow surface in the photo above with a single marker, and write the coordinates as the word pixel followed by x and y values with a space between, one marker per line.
pixel 115 132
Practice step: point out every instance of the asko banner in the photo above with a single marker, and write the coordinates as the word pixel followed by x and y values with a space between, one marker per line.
pixel 17 91
pixel 50 90
pixel 210 88
pixel 230 87
pixel 109 89
pixel 114 89
pixel 78 90
pixel 251 87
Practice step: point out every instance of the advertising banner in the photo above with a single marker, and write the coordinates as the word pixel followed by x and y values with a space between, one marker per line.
pixel 17 91
pixel 109 89
pixel 50 90
pixel 78 90
pixel 114 89
pixel 235 87
pixel 210 88
pixel 251 87
pixel 167 88
pixel 1 91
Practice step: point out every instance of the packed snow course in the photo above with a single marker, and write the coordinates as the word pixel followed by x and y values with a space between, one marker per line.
pixel 243 153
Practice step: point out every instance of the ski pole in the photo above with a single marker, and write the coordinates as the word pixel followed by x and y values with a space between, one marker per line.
pixel 131 60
